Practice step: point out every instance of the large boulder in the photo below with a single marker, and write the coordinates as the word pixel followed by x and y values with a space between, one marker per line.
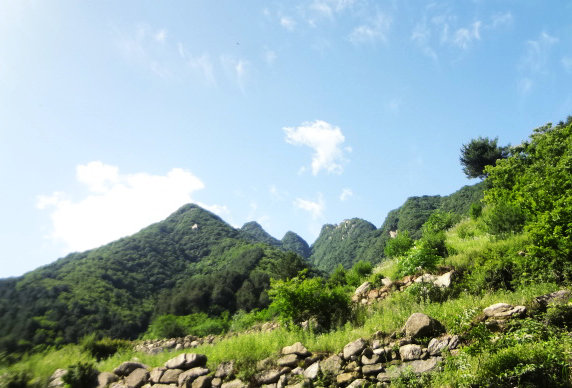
pixel 410 352
pixel 312 371
pixel 437 345
pixel 137 378
pixel 201 382
pixel 331 365
pixel 106 378
pixel 445 280
pixel 289 360
pixel 419 325
pixel 553 297
pixel 189 376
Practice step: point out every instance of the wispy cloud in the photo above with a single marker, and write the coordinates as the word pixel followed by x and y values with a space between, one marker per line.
pixel 325 140
pixel 535 61
pixel 346 194
pixel 567 63
pixel 270 56
pixel 314 208
pixel 328 8
pixel 117 204
pixel 464 36
pixel 237 69
pixel 288 23
pixel 145 45
pixel 376 29
pixel 501 19
pixel 160 36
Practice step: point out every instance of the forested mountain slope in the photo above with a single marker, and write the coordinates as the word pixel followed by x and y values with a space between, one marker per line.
pixel 113 290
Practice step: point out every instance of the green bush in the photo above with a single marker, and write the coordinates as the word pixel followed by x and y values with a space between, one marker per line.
pixel 358 273
pixel 80 375
pixel 299 299
pixel 559 315
pixel 427 293
pixel 504 218
pixel 420 257
pixel 199 324
pixel 399 245
pixel 476 210
pixel 103 348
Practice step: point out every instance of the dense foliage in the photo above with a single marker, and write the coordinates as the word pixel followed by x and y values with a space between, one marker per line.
pixel 480 153
pixel 532 190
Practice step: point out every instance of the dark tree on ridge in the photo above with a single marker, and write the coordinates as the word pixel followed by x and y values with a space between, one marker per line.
pixel 479 153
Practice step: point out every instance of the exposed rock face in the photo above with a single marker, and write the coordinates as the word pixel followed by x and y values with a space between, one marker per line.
pixel 504 311
pixel 419 325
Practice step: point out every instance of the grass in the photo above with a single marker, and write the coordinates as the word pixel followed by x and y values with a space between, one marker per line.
pixel 471 247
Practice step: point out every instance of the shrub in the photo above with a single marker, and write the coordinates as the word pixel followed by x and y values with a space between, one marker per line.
pixel 476 210
pixel 359 271
pixel 420 257
pixel 427 293
pixel 299 299
pixel 80 375
pixel 559 315
pixel 399 245
pixel 504 218
pixel 15 379
pixel 103 348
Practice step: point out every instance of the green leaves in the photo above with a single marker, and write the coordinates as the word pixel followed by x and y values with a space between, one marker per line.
pixel 479 153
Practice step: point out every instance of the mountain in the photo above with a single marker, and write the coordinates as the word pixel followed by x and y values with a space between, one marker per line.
pixel 253 231
pixel 357 239
pixel 114 290
pixel 292 242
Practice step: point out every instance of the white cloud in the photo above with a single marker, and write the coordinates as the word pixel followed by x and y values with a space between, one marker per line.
pixel 525 85
pixel 422 35
pixel 287 23
pixel 145 45
pixel 464 36
pixel 327 8
pixel 325 139
pixel 537 53
pixel 501 19
pixel 237 69
pixel 346 194
pixel 270 57
pixel 315 208
pixel 377 29
pixel 117 204
pixel 204 66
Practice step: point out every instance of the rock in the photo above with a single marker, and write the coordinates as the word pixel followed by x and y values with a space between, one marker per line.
pixel 373 294
pixel 504 310
pixel 358 383
pixel 354 348
pixel 185 378
pixel 268 377
pixel 373 369
pixel 56 379
pixel 369 359
pixel 312 371
pixel 363 288
pixel 297 349
pixel 127 367
pixel 118 385
pixel 234 384
pixel 288 360
pixel 417 367
pixel 352 366
pixel 216 382
pixel 106 378
pixel 419 325
pixel 297 371
pixel 186 361
pixel 331 365
pixel 225 369
pixel 202 382
pixel 137 378
pixel 437 345
pixel 156 373
pixel 386 282
pixel 345 378
pixel 170 376
pixel 558 296
pixel 282 381
pixel 410 352
pixel 426 278
pixel 445 280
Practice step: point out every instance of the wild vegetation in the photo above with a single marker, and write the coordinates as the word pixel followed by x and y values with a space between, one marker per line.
pixel 511 247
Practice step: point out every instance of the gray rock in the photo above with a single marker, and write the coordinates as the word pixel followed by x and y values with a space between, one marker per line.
pixel 282 381
pixel 56 379
pixel 264 364
pixel 417 367
pixel 297 371
pixel 186 361
pixel 410 352
pixel 419 325
pixel 137 378
pixel 288 360
pixel 437 345
pixel 372 359
pixel 156 373
pixel 225 369
pixel 354 348
pixel 216 382
pixel 426 278
pixel 189 376
pixel 268 377
pixel 237 383
pixel 312 371
pixel 368 370
pixel 269 385
pixel 358 383
pixel 365 286
pixel 445 280
pixel 345 378
pixel 118 385
pixel 331 365
pixel 553 297
pixel 170 376
pixel 202 382
pixel 296 348
pixel 106 378
pixel 127 367
pixel 504 310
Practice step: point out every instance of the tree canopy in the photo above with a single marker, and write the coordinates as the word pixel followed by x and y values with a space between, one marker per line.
pixel 479 153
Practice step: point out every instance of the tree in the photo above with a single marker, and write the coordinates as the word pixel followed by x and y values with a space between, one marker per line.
pixel 478 154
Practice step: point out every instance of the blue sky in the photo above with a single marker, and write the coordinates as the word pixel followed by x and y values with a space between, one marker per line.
pixel 291 113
